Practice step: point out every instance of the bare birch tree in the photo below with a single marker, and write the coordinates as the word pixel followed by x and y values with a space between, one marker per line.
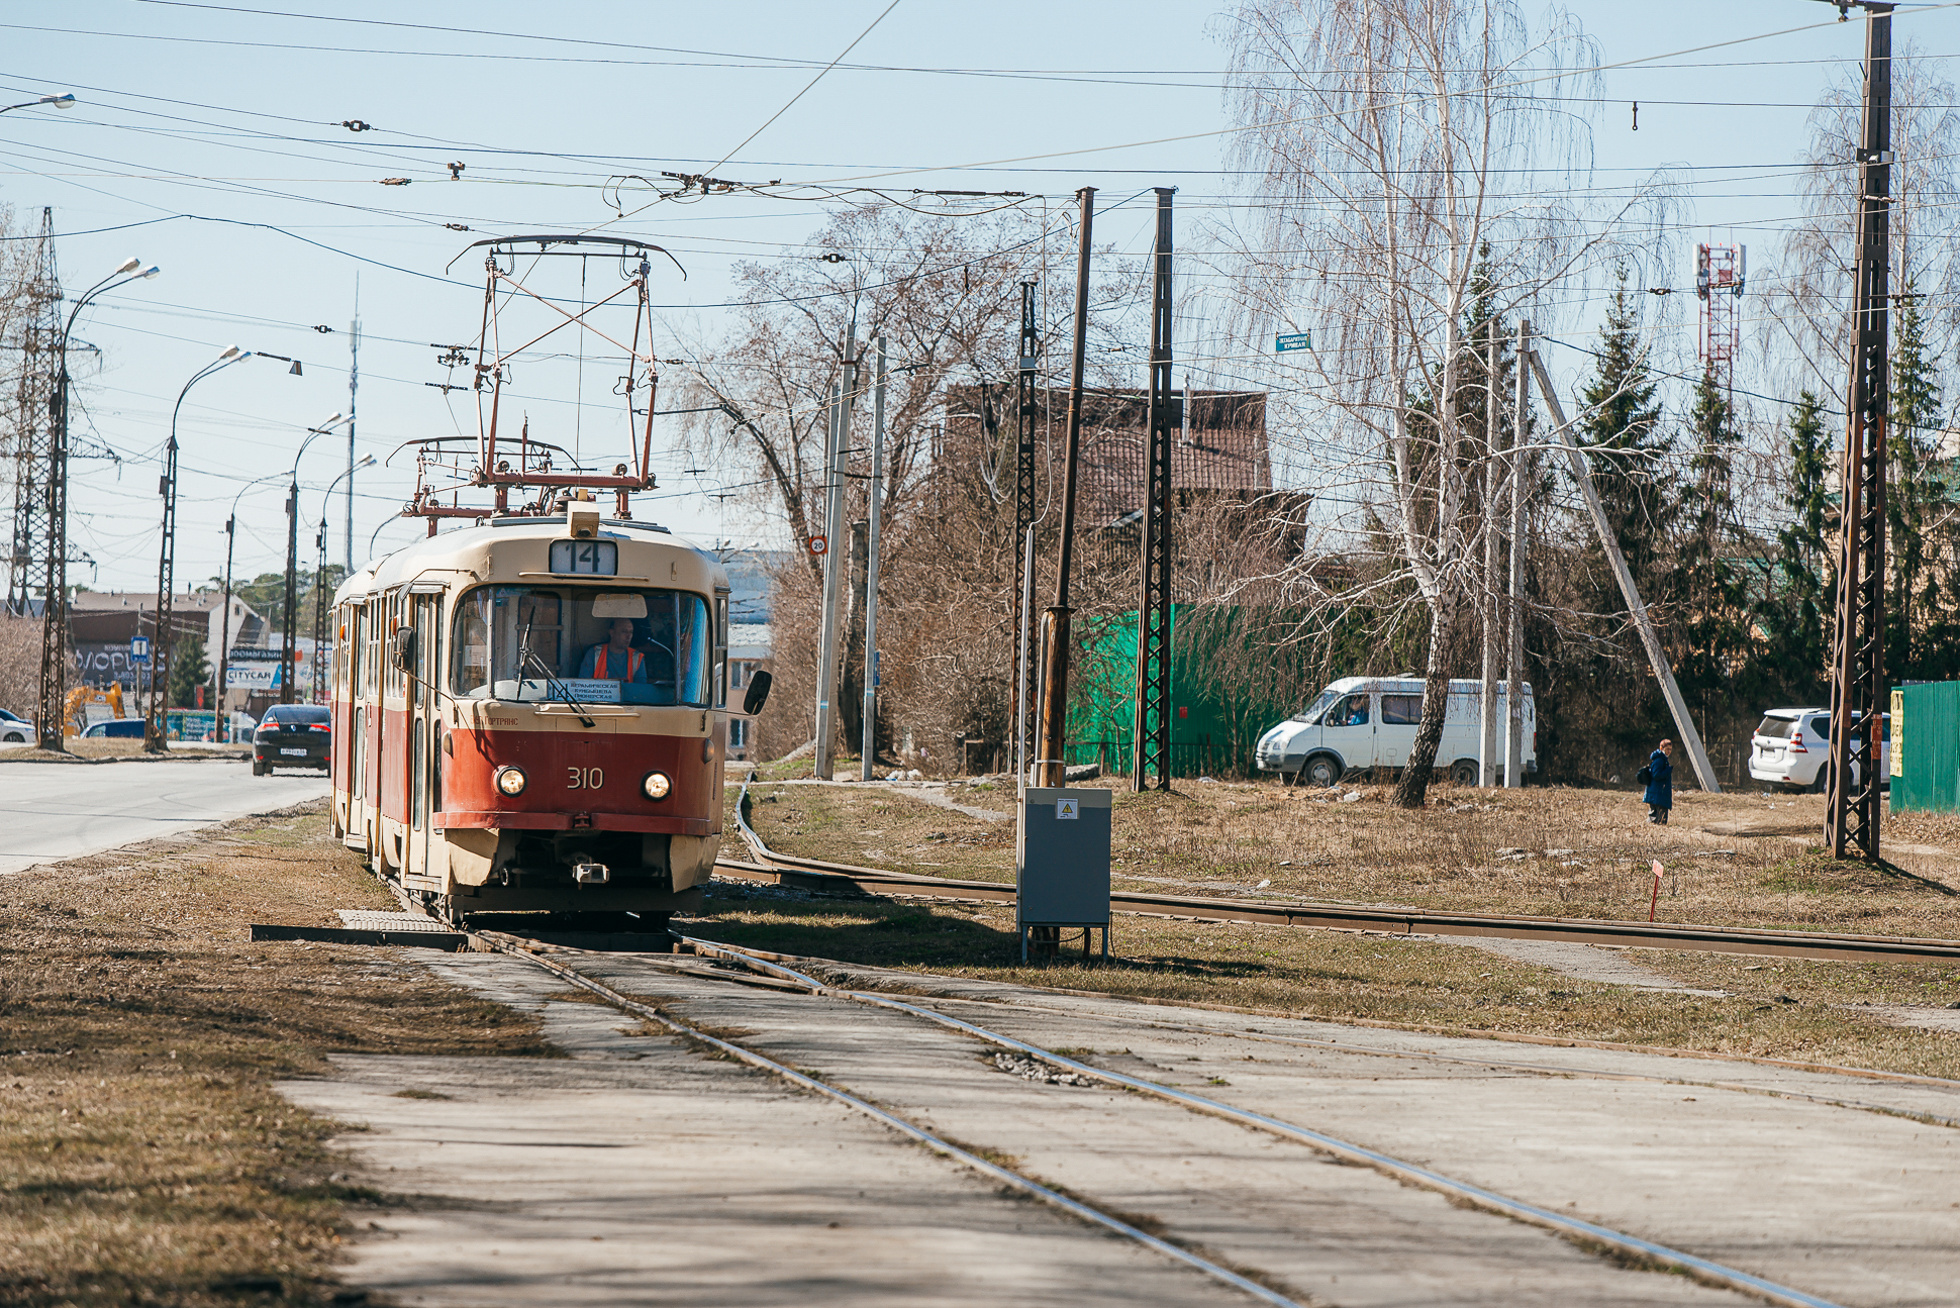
pixel 1806 282
pixel 1408 154
pixel 944 292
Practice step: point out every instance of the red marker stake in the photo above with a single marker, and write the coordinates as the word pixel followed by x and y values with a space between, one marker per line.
pixel 1655 903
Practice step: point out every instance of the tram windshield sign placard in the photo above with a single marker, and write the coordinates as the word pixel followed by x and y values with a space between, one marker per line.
pixel 592 558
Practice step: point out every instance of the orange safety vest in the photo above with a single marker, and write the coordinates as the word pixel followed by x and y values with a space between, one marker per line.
pixel 634 662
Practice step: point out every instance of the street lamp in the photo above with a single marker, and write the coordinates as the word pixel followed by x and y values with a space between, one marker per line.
pixel 320 578
pixel 64 101
pixel 292 561
pixel 54 603
pixel 154 736
pixel 224 639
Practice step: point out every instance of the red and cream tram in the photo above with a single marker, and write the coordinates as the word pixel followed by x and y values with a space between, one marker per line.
pixel 531 714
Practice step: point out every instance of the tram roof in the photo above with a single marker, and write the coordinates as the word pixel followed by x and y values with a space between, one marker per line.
pixel 446 549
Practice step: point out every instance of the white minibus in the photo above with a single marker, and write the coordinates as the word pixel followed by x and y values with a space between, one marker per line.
pixel 1370 722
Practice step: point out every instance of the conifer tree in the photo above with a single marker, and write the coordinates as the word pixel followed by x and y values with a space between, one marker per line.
pixel 1917 602
pixel 1621 420
pixel 189 669
pixel 1709 630
pixel 1796 612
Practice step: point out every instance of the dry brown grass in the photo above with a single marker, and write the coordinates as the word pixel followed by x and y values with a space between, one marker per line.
pixel 1739 859
pixel 1773 1009
pixel 144 1157
pixel 78 750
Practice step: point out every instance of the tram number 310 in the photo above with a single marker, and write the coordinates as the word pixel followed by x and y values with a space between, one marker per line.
pixel 584 778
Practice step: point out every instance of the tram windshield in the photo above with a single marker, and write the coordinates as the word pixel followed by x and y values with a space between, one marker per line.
pixel 581 643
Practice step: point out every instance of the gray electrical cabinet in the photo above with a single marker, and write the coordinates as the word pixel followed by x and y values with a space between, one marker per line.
pixel 1061 867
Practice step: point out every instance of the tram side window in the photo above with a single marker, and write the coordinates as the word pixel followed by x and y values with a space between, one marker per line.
pixel 591 644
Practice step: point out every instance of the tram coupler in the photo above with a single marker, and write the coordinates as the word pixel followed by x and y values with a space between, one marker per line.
pixel 591 874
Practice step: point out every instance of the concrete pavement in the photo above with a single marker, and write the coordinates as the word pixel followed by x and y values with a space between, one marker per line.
pixel 52 811
pixel 704 1182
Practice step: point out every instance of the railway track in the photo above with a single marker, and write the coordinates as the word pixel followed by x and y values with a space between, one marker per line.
pixel 772 868
pixel 1619 1245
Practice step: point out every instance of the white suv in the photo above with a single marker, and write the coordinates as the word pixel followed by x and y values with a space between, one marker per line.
pixel 1792 745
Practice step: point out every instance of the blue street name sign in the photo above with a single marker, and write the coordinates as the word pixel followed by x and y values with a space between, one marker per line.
pixel 1286 344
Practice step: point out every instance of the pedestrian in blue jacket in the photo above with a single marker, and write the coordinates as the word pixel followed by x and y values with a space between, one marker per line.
pixel 1660 784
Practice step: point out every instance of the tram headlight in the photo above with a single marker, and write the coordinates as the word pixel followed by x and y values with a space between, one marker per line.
pixel 656 785
pixel 511 779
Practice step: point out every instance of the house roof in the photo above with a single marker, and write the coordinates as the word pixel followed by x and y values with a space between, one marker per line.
pixel 1218 441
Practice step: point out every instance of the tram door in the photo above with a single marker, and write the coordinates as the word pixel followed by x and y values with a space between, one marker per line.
pixel 424 731
pixel 351 657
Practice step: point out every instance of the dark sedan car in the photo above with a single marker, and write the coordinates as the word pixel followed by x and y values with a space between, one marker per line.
pixel 292 736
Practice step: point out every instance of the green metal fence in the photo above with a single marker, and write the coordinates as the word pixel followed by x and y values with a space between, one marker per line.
pixel 1926 747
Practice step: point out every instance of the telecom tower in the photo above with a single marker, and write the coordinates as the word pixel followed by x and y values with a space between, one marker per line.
pixel 1719 271
pixel 33 422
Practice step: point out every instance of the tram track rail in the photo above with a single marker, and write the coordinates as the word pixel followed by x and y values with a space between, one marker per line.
pixel 1634 1249
pixel 814 875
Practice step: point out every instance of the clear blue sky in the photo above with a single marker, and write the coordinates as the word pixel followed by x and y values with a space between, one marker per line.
pixel 228 113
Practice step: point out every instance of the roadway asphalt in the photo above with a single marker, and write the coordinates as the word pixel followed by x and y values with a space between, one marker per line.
pixel 51 811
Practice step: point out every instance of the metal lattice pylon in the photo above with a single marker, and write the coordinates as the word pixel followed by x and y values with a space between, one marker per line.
pixel 1720 274
pixel 1858 690
pixel 1153 707
pixel 35 345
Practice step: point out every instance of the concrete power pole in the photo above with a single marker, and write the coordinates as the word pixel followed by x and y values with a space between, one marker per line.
pixel 1493 610
pixel 1514 597
pixel 1656 656
pixel 869 759
pixel 1049 766
pixel 828 655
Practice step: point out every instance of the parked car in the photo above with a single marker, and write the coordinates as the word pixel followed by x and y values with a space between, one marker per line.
pixel 292 736
pixel 115 729
pixel 1370 722
pixel 1792 745
pixel 15 729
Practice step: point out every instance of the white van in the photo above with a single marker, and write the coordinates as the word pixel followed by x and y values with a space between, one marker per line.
pixel 1370 722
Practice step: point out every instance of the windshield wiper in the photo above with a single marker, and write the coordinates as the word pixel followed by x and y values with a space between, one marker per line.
pixel 551 678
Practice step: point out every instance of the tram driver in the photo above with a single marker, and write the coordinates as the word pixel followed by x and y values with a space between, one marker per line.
pixel 615 659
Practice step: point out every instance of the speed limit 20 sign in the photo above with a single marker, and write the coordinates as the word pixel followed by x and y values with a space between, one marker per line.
pixel 819 544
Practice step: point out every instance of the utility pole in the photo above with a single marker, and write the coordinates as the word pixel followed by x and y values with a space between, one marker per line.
pixel 1514 598
pixel 1023 668
pixel 1027 377
pixel 320 615
pixel 1493 610
pixel 1049 766
pixel 1610 545
pixel 1852 801
pixel 54 587
pixel 871 568
pixel 156 738
pixel 219 674
pixel 828 656
pixel 353 388
pixel 288 634
pixel 34 412
pixel 1154 612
